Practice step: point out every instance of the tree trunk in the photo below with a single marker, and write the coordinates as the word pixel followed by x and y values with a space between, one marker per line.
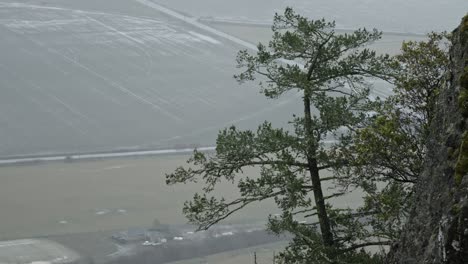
pixel 324 221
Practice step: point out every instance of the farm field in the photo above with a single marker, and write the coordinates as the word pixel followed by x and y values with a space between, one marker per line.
pixel 416 16
pixel 80 77
pixel 88 196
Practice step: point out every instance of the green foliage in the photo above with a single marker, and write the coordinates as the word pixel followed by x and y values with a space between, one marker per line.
pixel 299 44
pixel 298 253
pixel 419 73
pixel 330 71
pixel 389 206
pixel 464 28
pixel 389 147
pixel 386 156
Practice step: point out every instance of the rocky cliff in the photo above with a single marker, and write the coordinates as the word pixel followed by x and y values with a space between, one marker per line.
pixel 437 230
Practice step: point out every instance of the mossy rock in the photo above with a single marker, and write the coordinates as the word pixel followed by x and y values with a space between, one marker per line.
pixel 455 210
pixel 461 168
pixel 458 178
pixel 464 25
pixel 463 96
pixel 464 29
pixel 464 79
pixel 463 102
pixel 456 152
pixel 450 152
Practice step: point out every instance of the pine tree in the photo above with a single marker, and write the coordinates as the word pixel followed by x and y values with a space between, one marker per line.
pixel 329 71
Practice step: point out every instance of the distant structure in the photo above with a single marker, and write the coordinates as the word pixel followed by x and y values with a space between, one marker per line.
pixel 135 235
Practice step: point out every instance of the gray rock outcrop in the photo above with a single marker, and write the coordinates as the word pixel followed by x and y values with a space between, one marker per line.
pixel 437 230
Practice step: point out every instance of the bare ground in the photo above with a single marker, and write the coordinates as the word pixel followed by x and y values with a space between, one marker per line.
pixel 88 196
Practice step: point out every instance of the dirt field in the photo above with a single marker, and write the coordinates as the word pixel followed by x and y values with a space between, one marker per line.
pixel 58 198
pixel 87 196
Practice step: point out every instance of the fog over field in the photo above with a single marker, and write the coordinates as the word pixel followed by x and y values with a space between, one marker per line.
pixel 75 80
pixel 87 76
pixel 412 16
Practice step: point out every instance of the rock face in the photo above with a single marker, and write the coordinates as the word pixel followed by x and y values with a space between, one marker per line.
pixel 437 230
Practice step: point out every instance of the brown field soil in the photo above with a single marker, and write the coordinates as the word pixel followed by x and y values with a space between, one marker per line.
pixel 88 196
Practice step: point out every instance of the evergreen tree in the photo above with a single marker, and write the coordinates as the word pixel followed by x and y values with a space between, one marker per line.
pixel 329 70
